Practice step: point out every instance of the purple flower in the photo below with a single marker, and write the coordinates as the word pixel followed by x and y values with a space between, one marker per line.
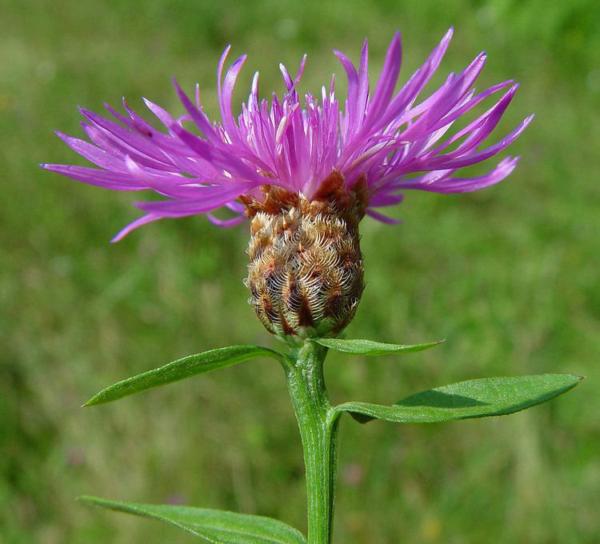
pixel 391 141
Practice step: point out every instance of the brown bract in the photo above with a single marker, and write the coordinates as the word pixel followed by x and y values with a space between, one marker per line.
pixel 306 272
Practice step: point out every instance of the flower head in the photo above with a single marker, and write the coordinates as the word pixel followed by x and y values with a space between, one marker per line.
pixel 392 141
pixel 305 170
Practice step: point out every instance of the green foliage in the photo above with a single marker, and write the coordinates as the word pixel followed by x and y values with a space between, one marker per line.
pixel 370 347
pixel 216 526
pixel 186 367
pixel 469 399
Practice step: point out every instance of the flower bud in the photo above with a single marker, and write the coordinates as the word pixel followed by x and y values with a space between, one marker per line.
pixel 306 271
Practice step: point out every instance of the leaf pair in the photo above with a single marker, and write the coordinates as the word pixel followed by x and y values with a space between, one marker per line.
pixel 470 399
pixel 214 359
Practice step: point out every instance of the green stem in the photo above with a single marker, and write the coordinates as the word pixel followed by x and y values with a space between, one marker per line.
pixel 318 431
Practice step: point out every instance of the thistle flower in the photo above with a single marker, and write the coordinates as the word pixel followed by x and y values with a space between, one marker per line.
pixel 304 171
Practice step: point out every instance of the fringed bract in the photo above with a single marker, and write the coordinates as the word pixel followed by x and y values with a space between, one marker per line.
pixel 306 271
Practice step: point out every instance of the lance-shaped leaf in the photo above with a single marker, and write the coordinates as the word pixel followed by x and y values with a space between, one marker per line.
pixel 369 347
pixel 216 526
pixel 473 398
pixel 180 369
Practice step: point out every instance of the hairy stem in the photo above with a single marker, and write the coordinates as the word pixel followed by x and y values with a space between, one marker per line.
pixel 318 431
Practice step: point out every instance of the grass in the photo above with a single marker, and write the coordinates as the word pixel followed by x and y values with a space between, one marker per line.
pixel 509 276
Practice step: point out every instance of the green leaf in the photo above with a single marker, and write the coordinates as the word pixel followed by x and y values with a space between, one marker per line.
pixel 216 526
pixel 474 398
pixel 369 347
pixel 180 369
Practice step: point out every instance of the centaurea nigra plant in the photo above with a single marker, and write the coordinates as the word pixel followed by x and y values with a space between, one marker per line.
pixel 305 171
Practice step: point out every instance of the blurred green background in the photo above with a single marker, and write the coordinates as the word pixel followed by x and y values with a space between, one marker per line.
pixel 509 276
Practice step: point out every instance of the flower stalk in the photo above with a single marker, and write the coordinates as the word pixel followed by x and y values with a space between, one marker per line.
pixel 317 423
